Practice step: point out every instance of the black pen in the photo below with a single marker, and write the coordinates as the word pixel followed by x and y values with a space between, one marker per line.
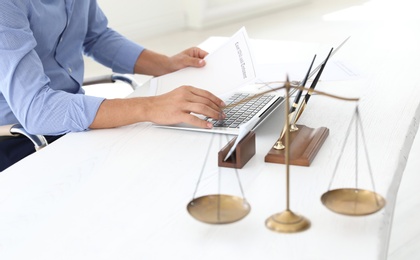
pixel 292 110
pixel 299 94
pixel 309 93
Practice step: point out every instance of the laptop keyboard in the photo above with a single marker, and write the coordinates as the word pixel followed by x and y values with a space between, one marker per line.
pixel 235 116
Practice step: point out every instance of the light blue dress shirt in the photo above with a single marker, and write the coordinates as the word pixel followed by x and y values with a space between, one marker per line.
pixel 42 43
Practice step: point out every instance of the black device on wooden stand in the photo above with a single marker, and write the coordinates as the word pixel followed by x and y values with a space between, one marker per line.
pixel 305 142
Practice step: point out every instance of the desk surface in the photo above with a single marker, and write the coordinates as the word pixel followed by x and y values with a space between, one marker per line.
pixel 122 193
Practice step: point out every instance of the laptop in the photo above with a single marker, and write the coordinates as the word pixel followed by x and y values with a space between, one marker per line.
pixel 255 110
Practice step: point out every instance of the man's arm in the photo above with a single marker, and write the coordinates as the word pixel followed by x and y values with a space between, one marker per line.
pixel 170 108
pixel 31 81
pixel 155 64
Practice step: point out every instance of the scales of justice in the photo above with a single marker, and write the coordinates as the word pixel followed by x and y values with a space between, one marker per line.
pixel 301 144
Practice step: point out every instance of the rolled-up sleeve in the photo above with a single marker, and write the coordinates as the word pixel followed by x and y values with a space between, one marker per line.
pixel 40 74
pixel 25 86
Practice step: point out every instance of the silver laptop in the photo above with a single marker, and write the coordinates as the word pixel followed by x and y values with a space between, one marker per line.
pixel 257 110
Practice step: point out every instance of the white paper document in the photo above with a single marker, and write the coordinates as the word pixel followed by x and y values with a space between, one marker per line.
pixel 227 68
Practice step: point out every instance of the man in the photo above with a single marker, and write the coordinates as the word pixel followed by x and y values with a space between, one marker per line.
pixel 41 72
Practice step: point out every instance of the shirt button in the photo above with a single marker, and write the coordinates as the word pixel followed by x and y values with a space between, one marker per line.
pixel 70 70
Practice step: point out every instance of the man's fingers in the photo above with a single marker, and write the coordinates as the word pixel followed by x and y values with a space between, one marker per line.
pixel 195 121
pixel 194 57
pixel 194 62
pixel 205 103
pixel 197 52
pixel 207 95
pixel 176 107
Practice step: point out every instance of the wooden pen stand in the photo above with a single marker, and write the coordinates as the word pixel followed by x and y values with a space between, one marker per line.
pixel 304 144
pixel 242 154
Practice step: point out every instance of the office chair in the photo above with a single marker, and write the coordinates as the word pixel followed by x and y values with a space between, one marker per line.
pixel 39 141
pixel 10 131
pixel 112 78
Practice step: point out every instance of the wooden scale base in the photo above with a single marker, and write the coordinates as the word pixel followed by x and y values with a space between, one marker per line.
pixel 304 145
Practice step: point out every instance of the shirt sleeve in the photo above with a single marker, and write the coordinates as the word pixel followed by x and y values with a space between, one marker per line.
pixel 107 46
pixel 25 86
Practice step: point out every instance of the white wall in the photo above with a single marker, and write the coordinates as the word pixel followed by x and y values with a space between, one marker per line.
pixel 205 13
pixel 145 18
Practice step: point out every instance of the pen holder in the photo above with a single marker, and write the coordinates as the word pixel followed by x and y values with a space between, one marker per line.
pixel 242 154
pixel 304 145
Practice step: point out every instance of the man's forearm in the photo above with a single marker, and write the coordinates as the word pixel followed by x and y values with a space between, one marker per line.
pixel 171 108
pixel 119 112
pixel 152 63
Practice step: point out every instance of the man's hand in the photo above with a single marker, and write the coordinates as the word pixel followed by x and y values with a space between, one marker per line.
pixel 155 64
pixel 176 107
pixel 192 57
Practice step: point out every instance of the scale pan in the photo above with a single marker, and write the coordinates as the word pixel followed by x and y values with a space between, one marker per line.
pixel 218 209
pixel 353 202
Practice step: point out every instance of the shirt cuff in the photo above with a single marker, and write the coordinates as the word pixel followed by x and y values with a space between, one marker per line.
pixel 81 112
pixel 126 57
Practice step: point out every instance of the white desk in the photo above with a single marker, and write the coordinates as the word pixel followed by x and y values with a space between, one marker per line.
pixel 122 193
